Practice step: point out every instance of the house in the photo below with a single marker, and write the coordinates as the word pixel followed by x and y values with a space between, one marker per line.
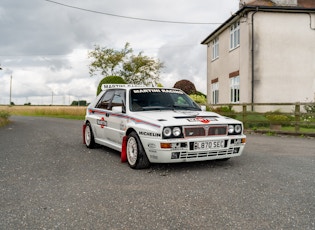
pixel 264 53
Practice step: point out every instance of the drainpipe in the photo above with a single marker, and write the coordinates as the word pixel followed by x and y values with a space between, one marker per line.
pixel 253 59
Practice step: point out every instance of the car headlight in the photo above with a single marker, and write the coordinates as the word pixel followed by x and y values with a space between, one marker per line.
pixel 177 131
pixel 238 129
pixel 172 132
pixel 234 129
pixel 167 132
pixel 231 129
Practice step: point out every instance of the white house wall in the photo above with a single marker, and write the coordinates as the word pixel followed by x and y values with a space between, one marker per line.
pixel 228 62
pixel 284 57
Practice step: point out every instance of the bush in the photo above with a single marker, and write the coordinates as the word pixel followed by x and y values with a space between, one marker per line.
pixel 110 80
pixel 277 118
pixel 200 99
pixel 310 112
pixel 187 86
pixel 225 111
pixel 4 117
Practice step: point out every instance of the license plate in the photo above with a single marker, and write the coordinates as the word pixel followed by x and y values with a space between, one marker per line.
pixel 200 145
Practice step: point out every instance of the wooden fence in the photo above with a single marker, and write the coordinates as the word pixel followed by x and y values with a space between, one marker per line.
pixel 272 118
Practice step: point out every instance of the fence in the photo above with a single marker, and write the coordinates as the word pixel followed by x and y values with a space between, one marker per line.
pixel 272 118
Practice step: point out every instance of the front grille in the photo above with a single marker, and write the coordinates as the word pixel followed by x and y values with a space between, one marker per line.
pixel 202 154
pixel 217 130
pixel 202 131
pixel 195 132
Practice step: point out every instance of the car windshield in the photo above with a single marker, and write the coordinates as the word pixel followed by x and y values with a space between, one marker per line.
pixel 160 99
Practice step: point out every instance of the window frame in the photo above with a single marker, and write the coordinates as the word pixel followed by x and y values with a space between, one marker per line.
pixel 215 48
pixel 215 92
pixel 235 35
pixel 235 89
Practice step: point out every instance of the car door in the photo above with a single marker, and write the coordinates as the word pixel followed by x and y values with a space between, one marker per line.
pixel 101 115
pixel 115 120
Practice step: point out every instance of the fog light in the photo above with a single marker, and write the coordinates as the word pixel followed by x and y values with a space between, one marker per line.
pixel 175 155
pixel 236 150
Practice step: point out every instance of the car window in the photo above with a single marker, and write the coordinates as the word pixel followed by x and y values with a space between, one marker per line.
pixel 160 99
pixel 118 99
pixel 104 103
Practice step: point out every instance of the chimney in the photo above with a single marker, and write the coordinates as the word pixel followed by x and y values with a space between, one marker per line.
pixel 285 2
pixel 244 2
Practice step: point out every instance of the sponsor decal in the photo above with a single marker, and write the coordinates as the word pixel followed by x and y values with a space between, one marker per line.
pixel 101 122
pixel 151 146
pixel 157 91
pixel 143 133
pixel 201 119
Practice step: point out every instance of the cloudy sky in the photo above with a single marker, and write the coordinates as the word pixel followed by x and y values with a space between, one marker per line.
pixel 44 44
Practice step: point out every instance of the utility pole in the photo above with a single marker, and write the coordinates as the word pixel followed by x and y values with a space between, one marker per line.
pixel 52 97
pixel 10 89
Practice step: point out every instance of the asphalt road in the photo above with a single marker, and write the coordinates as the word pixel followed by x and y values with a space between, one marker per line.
pixel 50 180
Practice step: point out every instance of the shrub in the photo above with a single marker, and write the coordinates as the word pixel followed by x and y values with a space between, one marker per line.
pixel 200 99
pixel 277 118
pixel 4 117
pixel 225 111
pixel 110 80
pixel 187 86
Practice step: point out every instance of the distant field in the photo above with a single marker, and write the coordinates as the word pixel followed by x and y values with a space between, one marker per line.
pixel 70 112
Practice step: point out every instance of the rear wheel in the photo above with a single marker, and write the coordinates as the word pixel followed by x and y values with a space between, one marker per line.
pixel 136 156
pixel 89 136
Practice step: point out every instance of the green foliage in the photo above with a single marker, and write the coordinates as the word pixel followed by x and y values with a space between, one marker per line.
pixel 200 99
pixel 139 69
pixel 109 80
pixel 276 117
pixel 4 114
pixel 310 112
pixel 79 103
pixel 225 111
pixel 187 86
pixel 4 117
pixel 135 69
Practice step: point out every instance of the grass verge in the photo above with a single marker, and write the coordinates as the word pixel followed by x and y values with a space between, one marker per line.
pixel 68 112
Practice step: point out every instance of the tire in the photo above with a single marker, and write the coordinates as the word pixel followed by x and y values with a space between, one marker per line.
pixel 89 136
pixel 136 156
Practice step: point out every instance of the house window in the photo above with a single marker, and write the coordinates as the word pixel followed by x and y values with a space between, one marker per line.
pixel 215 91
pixel 235 89
pixel 215 48
pixel 235 35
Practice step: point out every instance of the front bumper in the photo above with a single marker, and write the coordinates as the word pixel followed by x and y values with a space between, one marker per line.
pixel 182 150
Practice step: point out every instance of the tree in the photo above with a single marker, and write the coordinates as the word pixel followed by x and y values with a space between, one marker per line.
pixel 110 80
pixel 187 86
pixel 135 69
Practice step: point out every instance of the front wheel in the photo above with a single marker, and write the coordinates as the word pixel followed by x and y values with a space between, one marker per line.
pixel 136 156
pixel 89 136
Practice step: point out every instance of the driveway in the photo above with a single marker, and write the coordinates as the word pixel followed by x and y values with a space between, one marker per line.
pixel 50 180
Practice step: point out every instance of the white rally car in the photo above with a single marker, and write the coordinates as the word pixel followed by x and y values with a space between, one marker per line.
pixel 159 125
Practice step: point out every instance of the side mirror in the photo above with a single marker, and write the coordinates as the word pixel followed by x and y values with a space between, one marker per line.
pixel 117 109
pixel 203 108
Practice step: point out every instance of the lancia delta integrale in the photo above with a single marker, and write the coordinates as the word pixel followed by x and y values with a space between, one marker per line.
pixel 159 125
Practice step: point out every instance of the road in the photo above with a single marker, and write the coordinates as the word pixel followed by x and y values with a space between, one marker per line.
pixel 50 180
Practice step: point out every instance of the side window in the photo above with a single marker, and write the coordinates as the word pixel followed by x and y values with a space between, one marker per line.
pixel 118 99
pixel 105 101
pixel 235 89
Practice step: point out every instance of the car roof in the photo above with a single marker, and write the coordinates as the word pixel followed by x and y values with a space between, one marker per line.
pixel 130 86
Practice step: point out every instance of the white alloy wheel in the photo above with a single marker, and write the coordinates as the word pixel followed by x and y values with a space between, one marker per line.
pixel 88 136
pixel 132 151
